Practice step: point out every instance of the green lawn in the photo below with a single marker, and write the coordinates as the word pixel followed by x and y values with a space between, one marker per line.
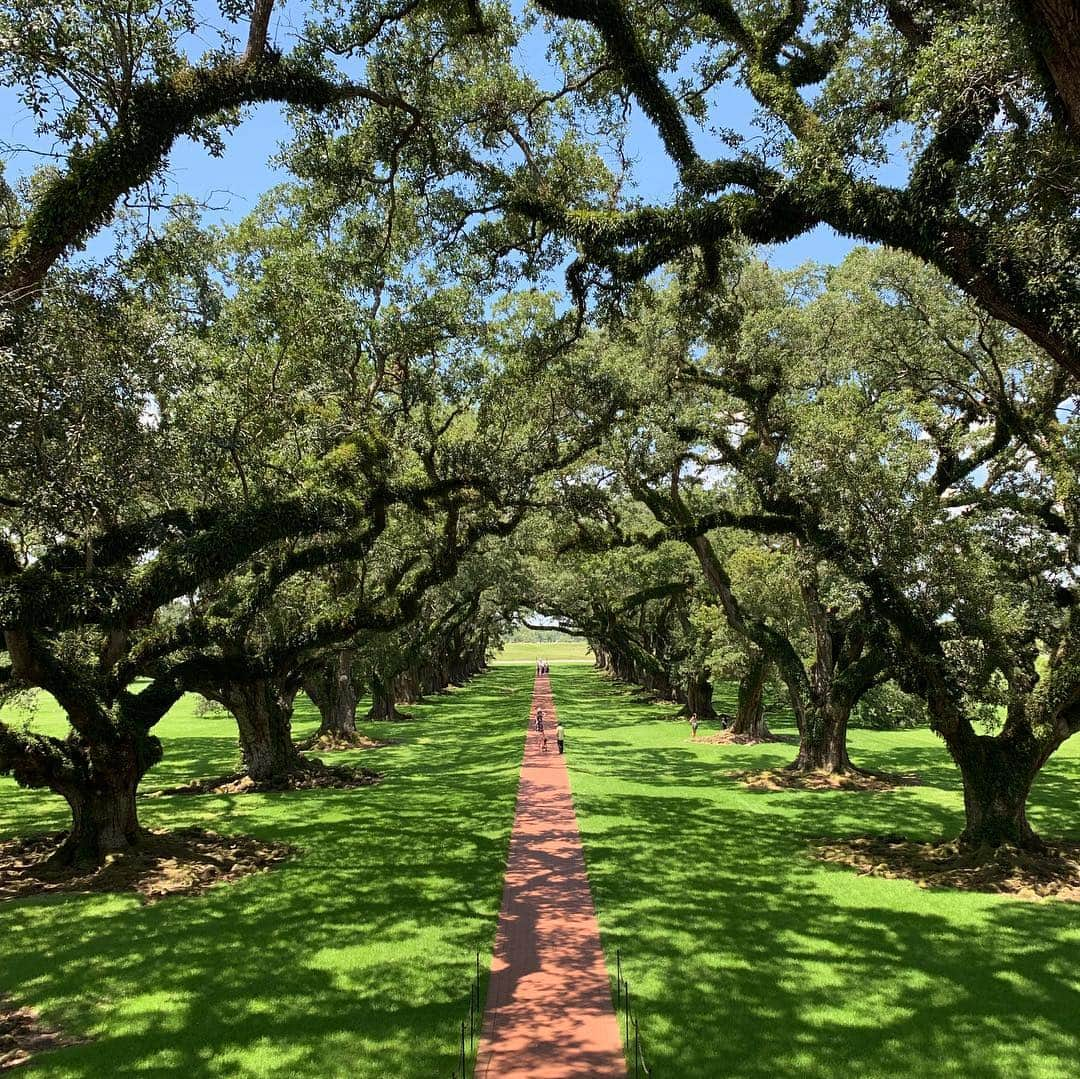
pixel 572 650
pixel 352 960
pixel 747 958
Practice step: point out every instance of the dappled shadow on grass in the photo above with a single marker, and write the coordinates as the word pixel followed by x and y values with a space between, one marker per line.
pixel 352 959
pixel 932 762
pixel 747 957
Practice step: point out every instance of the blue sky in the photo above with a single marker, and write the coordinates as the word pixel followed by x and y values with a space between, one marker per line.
pixel 233 183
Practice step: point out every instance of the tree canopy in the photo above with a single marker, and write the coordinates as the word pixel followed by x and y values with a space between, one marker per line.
pixel 455 370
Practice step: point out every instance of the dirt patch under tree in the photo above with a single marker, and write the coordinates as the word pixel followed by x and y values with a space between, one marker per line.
pixel 730 738
pixel 322 777
pixel 784 779
pixel 183 862
pixel 1054 873
pixel 336 743
pixel 23 1035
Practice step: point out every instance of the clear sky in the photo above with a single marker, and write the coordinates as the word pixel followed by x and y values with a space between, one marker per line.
pixel 232 183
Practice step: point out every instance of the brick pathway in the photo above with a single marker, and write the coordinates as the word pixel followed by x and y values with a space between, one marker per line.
pixel 549 1013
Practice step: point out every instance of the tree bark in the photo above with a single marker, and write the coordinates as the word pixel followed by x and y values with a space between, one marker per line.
pixel 1056 29
pixel 101 788
pixel 383 703
pixel 430 680
pixel 823 741
pixel 997 774
pixel 407 688
pixel 263 712
pixel 699 696
pixel 750 713
pixel 334 693
pixel 104 817
pixel 658 683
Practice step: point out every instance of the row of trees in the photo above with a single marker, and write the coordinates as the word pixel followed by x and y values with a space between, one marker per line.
pixel 247 461
pixel 865 482
pixel 302 449
pixel 923 467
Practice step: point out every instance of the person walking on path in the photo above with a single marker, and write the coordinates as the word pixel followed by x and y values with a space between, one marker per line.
pixel 693 725
pixel 541 734
pixel 560 736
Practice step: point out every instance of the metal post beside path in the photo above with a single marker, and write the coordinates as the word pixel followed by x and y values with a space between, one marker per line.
pixel 622 1000
pixel 465 1058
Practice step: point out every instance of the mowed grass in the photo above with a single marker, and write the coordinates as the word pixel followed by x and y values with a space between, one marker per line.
pixel 746 957
pixel 572 650
pixel 353 959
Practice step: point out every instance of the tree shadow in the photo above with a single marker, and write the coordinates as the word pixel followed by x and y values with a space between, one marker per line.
pixel 747 957
pixel 354 958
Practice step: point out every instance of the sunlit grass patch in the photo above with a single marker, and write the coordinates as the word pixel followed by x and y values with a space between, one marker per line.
pixel 572 650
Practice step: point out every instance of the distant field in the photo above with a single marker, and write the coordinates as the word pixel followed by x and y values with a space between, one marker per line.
pixel 572 650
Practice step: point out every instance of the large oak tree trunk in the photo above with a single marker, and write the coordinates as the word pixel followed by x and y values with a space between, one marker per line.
pixel 476 659
pixel 104 814
pixel 657 683
pixel 699 697
pixel 263 713
pixel 997 775
pixel 335 694
pixel 407 688
pixel 823 741
pixel 430 680
pixel 104 819
pixel 1056 32
pixel 339 713
pixel 750 713
pixel 383 703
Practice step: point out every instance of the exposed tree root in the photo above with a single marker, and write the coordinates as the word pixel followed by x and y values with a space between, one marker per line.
pixel 23 1035
pixel 336 743
pixel 184 862
pixel 317 776
pixel 394 717
pixel 1051 874
pixel 787 779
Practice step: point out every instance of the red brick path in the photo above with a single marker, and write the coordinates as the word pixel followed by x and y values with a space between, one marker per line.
pixel 549 1013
